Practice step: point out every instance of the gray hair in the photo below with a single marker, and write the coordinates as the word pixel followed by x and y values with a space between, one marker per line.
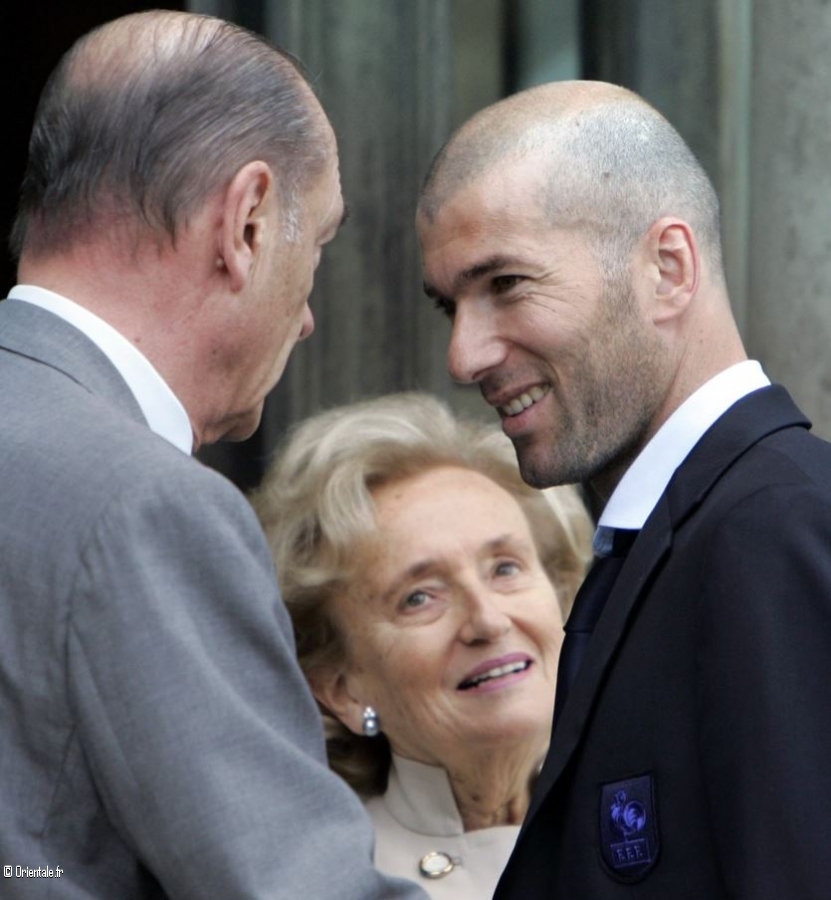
pixel 624 167
pixel 146 116
pixel 315 504
pixel 610 164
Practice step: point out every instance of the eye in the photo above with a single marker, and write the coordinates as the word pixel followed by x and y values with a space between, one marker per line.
pixel 503 283
pixel 506 568
pixel 415 600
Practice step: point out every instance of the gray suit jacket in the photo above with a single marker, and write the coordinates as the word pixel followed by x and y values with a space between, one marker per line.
pixel 157 738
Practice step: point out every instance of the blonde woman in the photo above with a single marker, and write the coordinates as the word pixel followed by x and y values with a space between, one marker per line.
pixel 428 585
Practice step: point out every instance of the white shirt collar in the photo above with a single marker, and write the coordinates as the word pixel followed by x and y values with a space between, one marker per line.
pixel 646 479
pixel 161 407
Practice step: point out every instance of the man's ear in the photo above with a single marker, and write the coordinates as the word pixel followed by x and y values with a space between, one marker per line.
pixel 676 266
pixel 331 688
pixel 244 212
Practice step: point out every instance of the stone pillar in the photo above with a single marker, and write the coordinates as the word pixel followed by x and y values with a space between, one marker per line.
pixel 789 315
pixel 667 51
pixel 544 41
pixel 383 73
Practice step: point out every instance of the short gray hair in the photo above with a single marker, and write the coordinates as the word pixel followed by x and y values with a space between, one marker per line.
pixel 146 116
pixel 622 167
pixel 610 165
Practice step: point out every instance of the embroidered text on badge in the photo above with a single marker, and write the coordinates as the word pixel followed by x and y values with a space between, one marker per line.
pixel 629 827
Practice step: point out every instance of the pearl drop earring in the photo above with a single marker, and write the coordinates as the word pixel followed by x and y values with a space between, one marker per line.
pixel 370 721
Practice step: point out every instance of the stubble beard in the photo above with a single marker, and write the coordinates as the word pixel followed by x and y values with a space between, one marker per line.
pixel 601 428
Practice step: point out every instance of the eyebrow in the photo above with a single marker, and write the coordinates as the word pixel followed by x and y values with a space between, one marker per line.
pixel 494 545
pixel 473 273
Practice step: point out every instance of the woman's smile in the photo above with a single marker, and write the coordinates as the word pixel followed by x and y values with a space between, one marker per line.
pixel 495 674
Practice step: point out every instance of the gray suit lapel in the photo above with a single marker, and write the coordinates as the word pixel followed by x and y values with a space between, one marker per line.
pixel 37 334
pixel 743 425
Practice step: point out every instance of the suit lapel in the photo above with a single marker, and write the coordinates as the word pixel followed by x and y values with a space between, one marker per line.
pixel 28 330
pixel 752 418
pixel 645 556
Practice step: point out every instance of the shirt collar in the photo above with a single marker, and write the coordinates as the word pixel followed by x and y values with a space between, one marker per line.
pixel 646 479
pixel 161 407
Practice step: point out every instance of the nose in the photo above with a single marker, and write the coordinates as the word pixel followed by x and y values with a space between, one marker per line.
pixel 485 621
pixel 308 325
pixel 475 348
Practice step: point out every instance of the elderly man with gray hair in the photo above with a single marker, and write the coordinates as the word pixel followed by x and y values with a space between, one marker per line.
pixel 158 738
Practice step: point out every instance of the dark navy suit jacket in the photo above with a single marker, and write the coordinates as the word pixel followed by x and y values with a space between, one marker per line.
pixel 692 760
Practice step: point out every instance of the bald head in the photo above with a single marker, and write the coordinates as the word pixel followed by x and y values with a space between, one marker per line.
pixel 148 115
pixel 609 164
pixel 124 48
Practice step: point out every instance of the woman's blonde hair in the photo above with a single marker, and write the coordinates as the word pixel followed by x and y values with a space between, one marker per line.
pixel 315 504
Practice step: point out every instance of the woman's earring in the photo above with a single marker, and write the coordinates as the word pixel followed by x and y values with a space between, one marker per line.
pixel 370 721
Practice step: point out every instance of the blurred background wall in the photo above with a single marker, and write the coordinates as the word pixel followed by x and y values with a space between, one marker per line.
pixel 747 82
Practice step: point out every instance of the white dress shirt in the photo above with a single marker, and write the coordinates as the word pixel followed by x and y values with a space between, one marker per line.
pixel 161 407
pixel 646 479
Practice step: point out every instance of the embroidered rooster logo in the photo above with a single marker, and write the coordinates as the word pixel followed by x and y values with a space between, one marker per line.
pixel 629 840
pixel 629 818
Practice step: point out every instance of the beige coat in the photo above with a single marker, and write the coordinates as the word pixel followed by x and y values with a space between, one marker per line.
pixel 418 815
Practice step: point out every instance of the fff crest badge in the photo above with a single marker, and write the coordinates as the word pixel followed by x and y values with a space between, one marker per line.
pixel 629 827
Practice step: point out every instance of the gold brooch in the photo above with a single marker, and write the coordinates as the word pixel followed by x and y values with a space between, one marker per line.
pixel 437 864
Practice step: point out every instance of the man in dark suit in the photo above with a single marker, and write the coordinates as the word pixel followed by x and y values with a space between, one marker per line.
pixel 157 738
pixel 573 240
